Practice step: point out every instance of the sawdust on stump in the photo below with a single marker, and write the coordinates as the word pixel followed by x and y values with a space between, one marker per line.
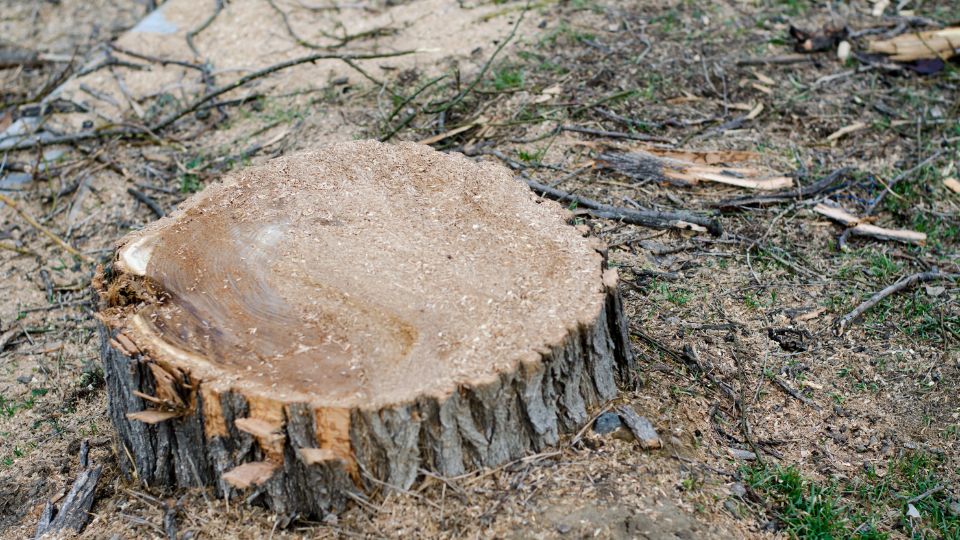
pixel 333 322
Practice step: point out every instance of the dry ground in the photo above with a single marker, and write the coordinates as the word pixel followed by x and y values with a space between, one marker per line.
pixel 868 447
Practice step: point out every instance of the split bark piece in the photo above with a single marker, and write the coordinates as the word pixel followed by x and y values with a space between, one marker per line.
pixel 334 322
pixel 859 228
pixel 644 166
pixel 74 511
pixel 641 428
pixel 943 44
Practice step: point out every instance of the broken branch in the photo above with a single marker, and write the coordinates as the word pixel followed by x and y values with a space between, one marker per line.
pixel 844 322
pixel 46 232
pixel 647 218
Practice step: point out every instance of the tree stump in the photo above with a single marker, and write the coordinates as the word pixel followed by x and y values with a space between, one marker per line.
pixel 327 325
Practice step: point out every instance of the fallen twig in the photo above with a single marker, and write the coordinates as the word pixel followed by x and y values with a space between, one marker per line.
pixel 844 322
pixel 483 70
pixel 617 134
pixel 877 201
pixel 267 71
pixel 155 59
pixel 647 218
pixel 828 183
pixel 46 232
pixel 203 26
pixel 146 200
pixel 793 392
pixel 10 247
pixel 34 141
pixel 858 227
pixel 781 60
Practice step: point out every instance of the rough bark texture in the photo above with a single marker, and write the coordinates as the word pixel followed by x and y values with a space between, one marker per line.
pixel 477 426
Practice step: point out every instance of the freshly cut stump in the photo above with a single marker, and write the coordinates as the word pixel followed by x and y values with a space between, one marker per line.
pixel 331 323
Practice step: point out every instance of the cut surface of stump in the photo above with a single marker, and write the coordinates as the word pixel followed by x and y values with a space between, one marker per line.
pixel 333 322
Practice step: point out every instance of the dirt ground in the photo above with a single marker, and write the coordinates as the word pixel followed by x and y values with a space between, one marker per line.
pixel 772 423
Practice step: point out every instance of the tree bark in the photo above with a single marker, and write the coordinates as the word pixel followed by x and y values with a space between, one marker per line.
pixel 475 427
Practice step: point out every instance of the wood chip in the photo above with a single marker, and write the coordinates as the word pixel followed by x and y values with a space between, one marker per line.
pixel 852 128
pixel 952 184
pixel 151 416
pixel 250 474
pixel 755 112
pixel 315 456
pixel 257 427
pixel 764 79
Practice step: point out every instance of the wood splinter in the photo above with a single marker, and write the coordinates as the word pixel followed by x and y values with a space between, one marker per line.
pixel 859 226
pixel 335 322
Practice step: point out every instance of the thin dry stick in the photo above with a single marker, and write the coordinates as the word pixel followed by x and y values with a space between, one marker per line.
pixel 876 202
pixel 646 218
pixel 146 200
pixel 203 26
pixel 267 71
pixel 10 247
pixel 341 41
pixel 169 120
pixel 844 322
pixel 35 224
pixel 483 70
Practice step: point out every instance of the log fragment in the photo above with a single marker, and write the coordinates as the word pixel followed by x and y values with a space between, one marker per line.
pixel 943 43
pixel 74 511
pixel 309 331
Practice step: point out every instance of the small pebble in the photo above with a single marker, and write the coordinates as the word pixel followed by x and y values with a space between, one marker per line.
pixel 607 423
pixel 25 379
pixel 745 455
pixel 738 490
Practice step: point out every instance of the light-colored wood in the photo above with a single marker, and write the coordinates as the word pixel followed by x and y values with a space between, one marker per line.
pixel 943 43
pixel 338 321
pixel 861 228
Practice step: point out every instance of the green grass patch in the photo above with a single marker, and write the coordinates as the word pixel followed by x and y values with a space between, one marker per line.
pixel 507 79
pixel 870 505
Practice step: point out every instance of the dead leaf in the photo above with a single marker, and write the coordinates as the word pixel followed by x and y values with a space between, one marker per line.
pixel 912 511
pixel 934 290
